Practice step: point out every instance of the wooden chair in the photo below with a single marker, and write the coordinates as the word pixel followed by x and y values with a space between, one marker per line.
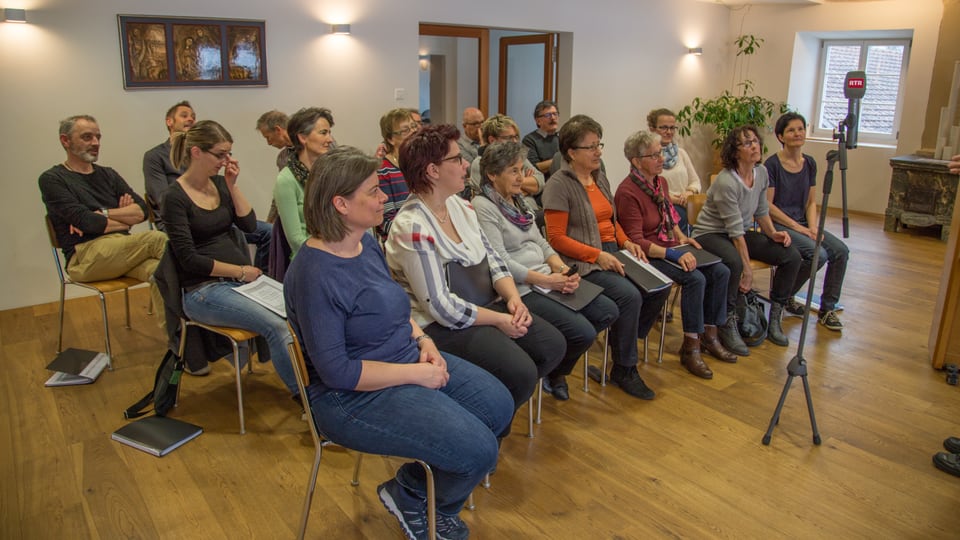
pixel 122 283
pixel 235 336
pixel 320 441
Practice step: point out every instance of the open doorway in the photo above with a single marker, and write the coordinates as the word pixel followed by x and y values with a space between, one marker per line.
pixel 494 69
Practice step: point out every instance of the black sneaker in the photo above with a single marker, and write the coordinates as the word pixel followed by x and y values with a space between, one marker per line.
pixel 948 463
pixel 952 445
pixel 557 386
pixel 793 308
pixel 629 380
pixel 451 528
pixel 831 321
pixel 409 510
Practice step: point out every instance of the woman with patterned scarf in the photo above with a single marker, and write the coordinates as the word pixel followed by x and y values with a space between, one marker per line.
pixel 650 220
pixel 310 135
pixel 678 170
pixel 512 232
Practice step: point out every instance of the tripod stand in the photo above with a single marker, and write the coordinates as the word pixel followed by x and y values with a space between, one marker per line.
pixel 798 365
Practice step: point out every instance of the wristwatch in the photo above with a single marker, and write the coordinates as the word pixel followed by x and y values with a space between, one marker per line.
pixel 106 212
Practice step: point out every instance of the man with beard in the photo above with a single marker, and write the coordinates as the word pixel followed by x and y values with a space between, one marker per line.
pixel 542 143
pixel 92 210
pixel 158 171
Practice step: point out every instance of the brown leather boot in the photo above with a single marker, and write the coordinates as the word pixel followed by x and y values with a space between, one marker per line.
pixel 690 358
pixel 711 344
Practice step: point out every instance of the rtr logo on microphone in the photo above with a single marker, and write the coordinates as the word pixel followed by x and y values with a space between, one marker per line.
pixel 855 83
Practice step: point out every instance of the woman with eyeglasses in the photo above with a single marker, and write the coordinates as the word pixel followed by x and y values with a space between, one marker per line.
pixel 649 218
pixel 510 226
pixel 735 199
pixel 395 126
pixel 436 228
pixel 583 229
pixel 200 211
pixel 678 169
pixel 310 137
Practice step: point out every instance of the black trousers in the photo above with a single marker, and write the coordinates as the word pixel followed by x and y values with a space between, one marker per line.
pixel 762 248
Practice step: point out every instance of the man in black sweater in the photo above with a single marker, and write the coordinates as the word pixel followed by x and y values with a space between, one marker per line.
pixel 92 210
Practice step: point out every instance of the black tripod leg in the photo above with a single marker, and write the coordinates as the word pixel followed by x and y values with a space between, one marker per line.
pixel 813 419
pixel 776 413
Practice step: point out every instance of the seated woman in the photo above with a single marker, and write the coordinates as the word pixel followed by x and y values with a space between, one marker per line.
pixel 310 138
pixel 582 228
pixel 435 228
pixel 792 197
pixel 678 170
pixel 200 210
pixel 395 126
pixel 734 200
pixel 511 229
pixel 377 383
pixel 648 218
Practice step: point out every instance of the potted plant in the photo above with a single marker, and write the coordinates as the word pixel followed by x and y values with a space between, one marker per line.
pixel 729 110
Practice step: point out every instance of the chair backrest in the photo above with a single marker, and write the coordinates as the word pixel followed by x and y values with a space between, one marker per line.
pixel 695 203
pixel 55 248
pixel 300 370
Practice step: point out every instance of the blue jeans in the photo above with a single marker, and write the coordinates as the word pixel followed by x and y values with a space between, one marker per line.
pixel 219 305
pixel 578 327
pixel 261 239
pixel 453 429
pixel 703 294
pixel 833 252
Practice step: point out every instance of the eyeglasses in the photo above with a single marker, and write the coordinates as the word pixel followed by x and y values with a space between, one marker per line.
pixel 668 128
pixel 222 156
pixel 549 115
pixel 747 143
pixel 658 155
pixel 592 147
pixel 458 158
pixel 512 138
pixel 406 129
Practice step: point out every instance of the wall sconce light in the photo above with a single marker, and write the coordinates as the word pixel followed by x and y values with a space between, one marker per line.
pixel 14 15
pixel 696 51
pixel 424 62
pixel 341 29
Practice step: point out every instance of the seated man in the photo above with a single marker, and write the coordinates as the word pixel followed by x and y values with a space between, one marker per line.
pixel 502 128
pixel 273 126
pixel 543 143
pixel 92 209
pixel 471 142
pixel 158 172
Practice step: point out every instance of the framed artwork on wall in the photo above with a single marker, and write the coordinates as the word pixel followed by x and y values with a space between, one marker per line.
pixel 164 52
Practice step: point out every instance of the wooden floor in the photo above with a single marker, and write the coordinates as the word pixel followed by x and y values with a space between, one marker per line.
pixel 603 465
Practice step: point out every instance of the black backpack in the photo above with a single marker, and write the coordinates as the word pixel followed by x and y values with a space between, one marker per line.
pixel 751 318
pixel 164 393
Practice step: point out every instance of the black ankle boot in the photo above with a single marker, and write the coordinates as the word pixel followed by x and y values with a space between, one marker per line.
pixel 730 337
pixel 774 330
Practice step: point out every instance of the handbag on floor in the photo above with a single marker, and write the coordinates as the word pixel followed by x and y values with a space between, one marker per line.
pixel 164 393
pixel 751 318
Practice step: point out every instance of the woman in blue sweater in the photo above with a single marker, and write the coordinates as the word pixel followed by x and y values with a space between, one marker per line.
pixel 378 384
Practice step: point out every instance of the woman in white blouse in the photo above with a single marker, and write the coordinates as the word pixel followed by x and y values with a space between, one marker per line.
pixel 681 176
pixel 435 228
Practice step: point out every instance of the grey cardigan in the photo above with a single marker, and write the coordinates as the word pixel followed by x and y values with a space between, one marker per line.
pixel 565 193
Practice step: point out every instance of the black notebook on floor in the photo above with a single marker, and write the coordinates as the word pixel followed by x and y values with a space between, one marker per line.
pixel 643 274
pixel 157 435
pixel 76 366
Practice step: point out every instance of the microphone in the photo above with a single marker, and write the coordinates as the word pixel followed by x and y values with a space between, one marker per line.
pixel 854 87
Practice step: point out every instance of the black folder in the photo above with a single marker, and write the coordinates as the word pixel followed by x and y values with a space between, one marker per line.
pixel 642 274
pixel 585 293
pixel 704 257
pixel 157 435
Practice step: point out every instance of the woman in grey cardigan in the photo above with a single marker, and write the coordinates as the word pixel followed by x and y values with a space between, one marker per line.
pixel 582 228
pixel 512 232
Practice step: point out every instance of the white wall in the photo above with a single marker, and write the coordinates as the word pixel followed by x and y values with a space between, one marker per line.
pixel 628 57
pixel 868 174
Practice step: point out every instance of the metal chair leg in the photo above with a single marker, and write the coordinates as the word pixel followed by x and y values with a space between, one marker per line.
pixel 663 332
pixel 106 331
pixel 470 506
pixel 539 398
pixel 606 352
pixel 237 368
pixel 486 481
pixel 126 304
pixel 60 338
pixel 586 371
pixel 530 415
pixel 356 470
pixel 431 500
pixel 308 500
